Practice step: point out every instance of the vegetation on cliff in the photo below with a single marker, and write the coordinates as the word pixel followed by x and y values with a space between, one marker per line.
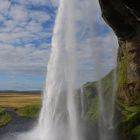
pixel 127 116
pixel 128 121
pixel 91 97
pixel 123 17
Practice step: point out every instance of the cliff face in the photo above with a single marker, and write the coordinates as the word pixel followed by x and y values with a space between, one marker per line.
pixel 123 16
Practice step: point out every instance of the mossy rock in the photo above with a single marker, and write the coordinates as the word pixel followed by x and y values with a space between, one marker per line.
pixel 29 111
pixel 121 72
pixel 136 132
pixel 129 113
pixel 129 122
pixel 91 96
pixel 92 113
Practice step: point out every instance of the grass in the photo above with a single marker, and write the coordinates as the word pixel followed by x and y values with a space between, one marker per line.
pixel 136 132
pixel 5 118
pixel 122 72
pixel 2 110
pixel 91 95
pixel 129 121
pixel 92 113
pixel 25 105
pixel 29 111
pixel 19 100
pixel 129 113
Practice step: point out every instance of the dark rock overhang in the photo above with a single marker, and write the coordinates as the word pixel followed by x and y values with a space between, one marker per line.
pixel 123 16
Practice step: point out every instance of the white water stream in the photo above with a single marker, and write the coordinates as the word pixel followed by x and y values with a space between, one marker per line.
pixel 59 118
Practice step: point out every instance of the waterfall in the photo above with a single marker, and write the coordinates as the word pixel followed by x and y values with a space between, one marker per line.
pixel 82 102
pixel 113 97
pixel 59 108
pixel 59 118
pixel 107 110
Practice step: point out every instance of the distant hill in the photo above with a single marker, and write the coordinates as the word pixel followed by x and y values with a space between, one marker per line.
pixel 20 92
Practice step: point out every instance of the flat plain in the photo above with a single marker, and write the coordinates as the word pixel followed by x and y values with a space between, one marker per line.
pixel 15 100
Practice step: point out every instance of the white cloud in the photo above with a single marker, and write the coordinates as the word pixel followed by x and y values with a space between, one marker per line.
pixel 39 2
pixel 33 27
pixel 18 13
pixel 20 22
pixel 39 16
pixel 34 2
pixel 4 6
pixel 23 49
pixel 1 17
pixel 23 25
pixel 20 57
pixel 97 55
pixel 97 47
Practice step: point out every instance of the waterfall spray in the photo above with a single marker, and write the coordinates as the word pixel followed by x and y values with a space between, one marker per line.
pixel 107 110
pixel 59 118
pixel 61 77
pixel 82 103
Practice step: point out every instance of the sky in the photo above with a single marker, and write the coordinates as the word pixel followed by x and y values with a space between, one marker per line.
pixel 26 30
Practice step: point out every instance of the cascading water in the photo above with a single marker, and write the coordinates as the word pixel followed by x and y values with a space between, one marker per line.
pixel 82 102
pixel 107 109
pixel 59 102
pixel 59 118
pixel 106 112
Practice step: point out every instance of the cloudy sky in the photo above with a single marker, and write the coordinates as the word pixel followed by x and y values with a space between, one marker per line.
pixel 26 28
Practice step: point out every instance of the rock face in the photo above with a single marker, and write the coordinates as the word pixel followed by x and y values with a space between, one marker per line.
pixel 123 16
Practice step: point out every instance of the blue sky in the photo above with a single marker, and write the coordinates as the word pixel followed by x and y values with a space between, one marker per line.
pixel 25 42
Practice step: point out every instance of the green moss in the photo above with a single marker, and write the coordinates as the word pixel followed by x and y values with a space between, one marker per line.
pixel 121 72
pixel 2 110
pixel 29 111
pixel 91 96
pixel 136 132
pixel 90 90
pixel 5 118
pixel 92 113
pixel 130 113
pixel 128 121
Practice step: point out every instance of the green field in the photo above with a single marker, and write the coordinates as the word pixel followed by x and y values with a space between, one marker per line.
pixel 23 104
pixel 16 100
